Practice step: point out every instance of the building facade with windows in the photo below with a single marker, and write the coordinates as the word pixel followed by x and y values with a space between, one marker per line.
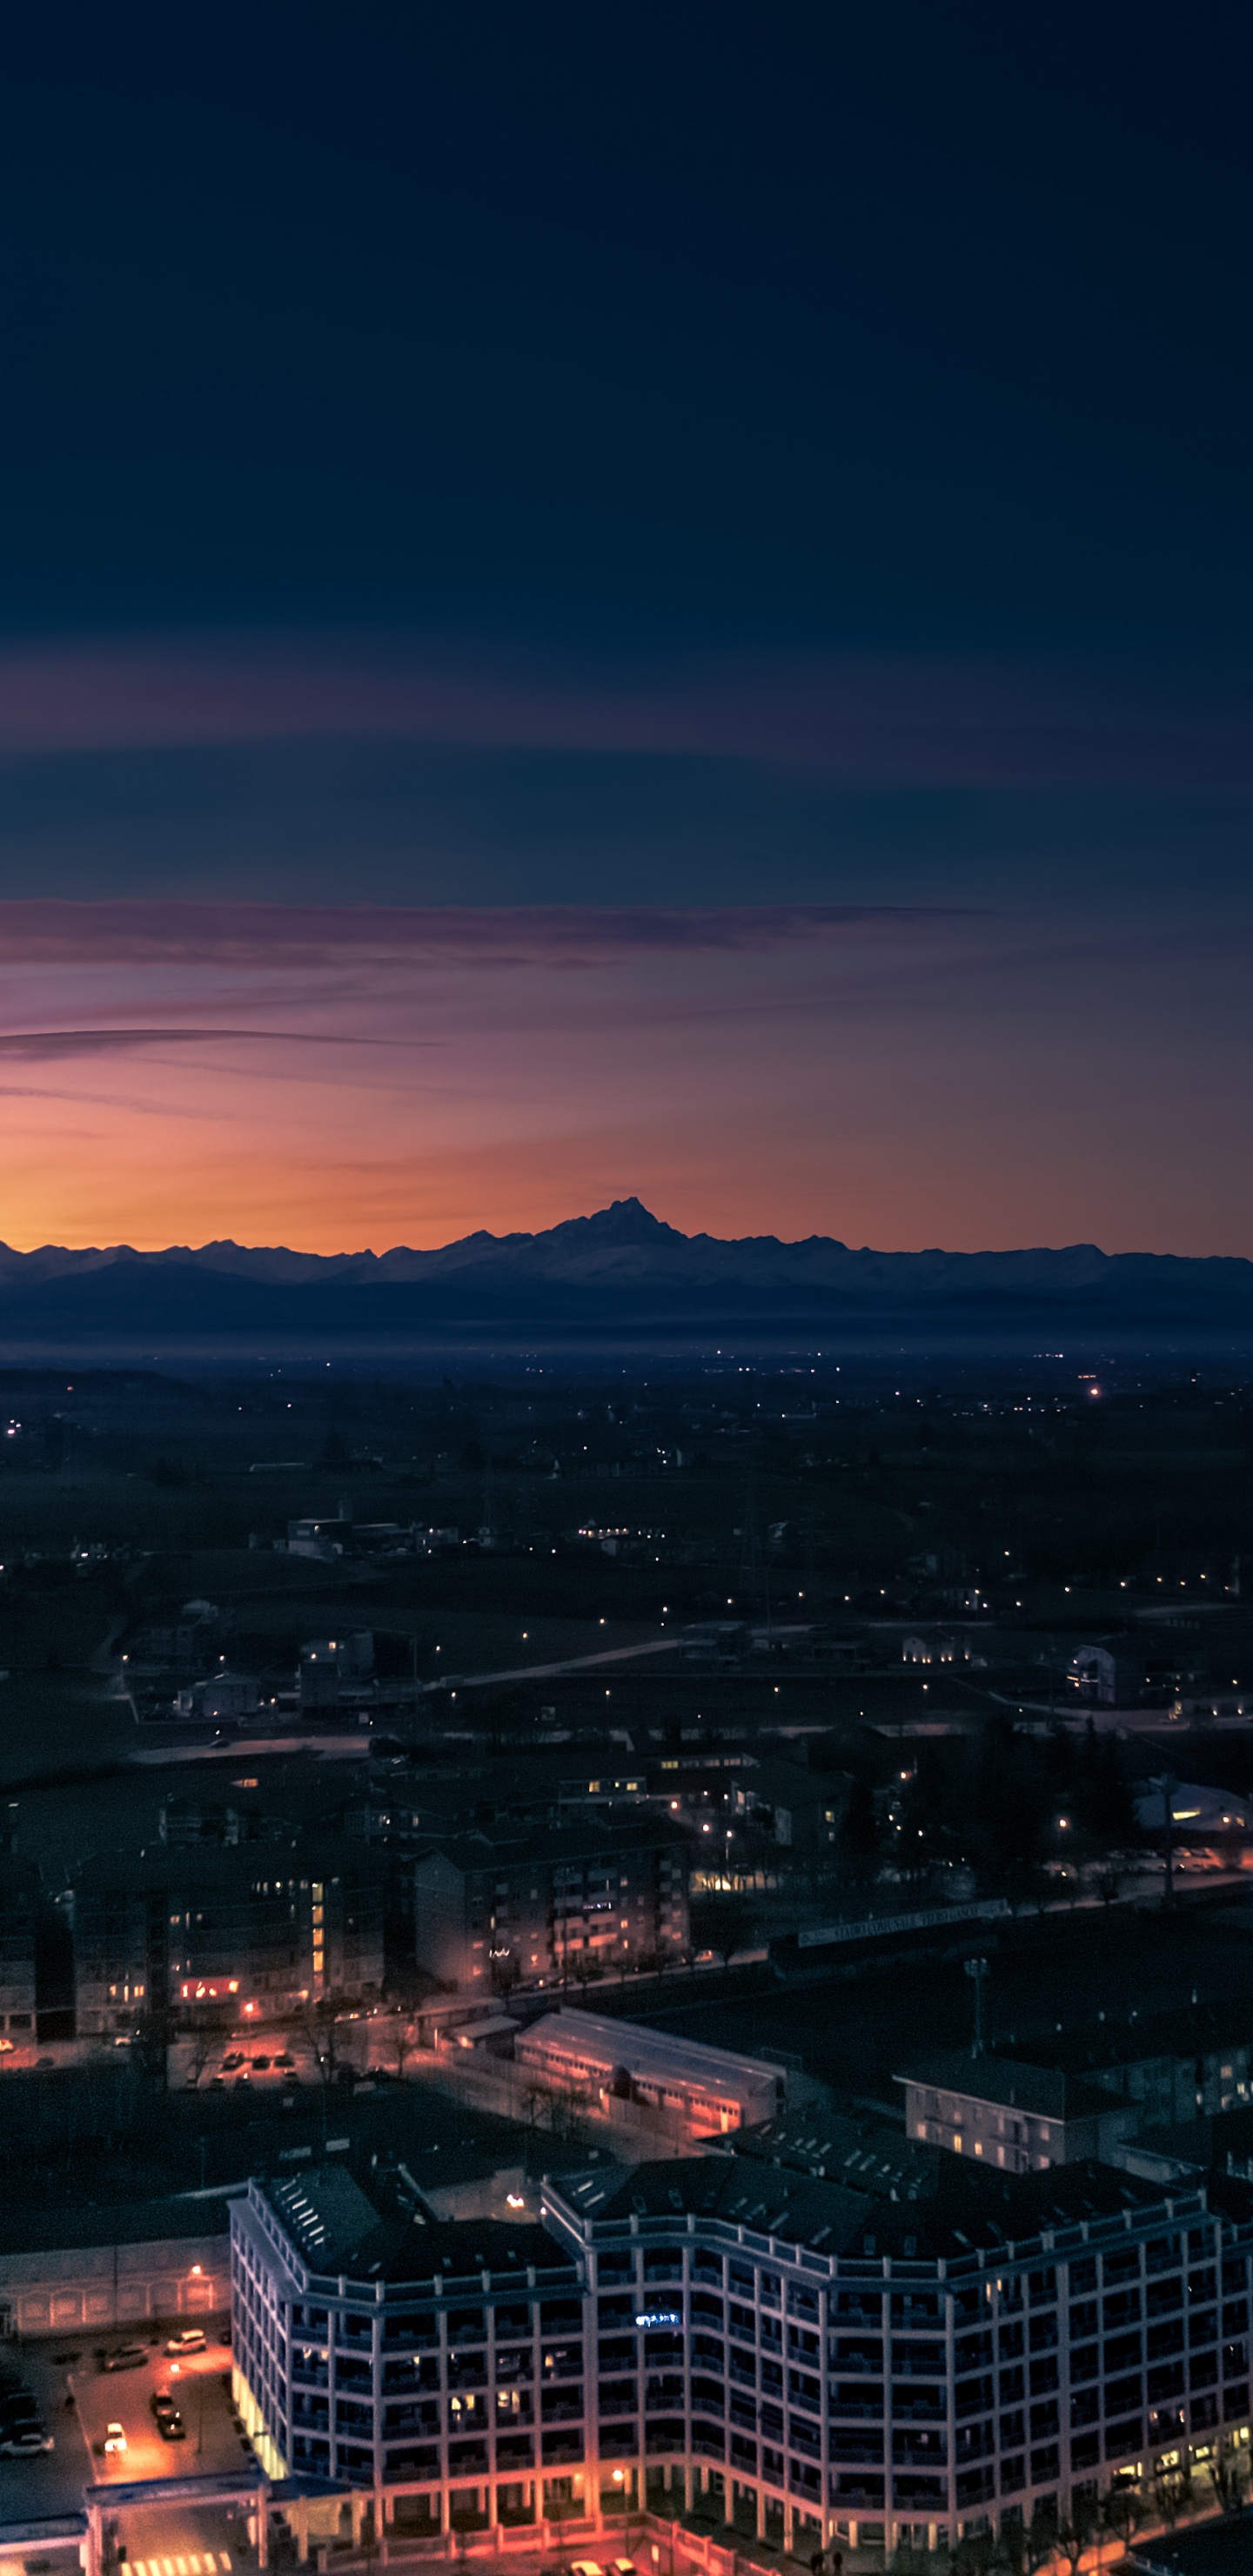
pixel 19 1916
pixel 257 1932
pixel 596 2059
pixel 826 2364
pixel 494 1911
pixel 1020 2118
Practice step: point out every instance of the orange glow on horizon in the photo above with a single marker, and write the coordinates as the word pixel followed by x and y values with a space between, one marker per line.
pixel 903 1086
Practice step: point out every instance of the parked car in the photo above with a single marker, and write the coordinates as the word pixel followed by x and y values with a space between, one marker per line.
pixel 114 2438
pixel 189 2339
pixel 125 2356
pixel 23 2418
pixel 26 2443
pixel 171 2427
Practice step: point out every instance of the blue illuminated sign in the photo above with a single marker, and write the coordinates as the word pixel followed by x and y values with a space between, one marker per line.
pixel 659 2317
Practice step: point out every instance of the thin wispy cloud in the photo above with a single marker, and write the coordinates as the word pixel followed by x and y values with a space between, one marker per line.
pixel 261 936
pixel 35 1044
pixel 889 718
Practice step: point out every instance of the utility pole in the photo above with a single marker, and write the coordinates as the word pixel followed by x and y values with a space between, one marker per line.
pixel 977 1970
pixel 1168 1804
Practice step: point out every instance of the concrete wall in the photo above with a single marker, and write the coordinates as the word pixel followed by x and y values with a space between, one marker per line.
pixel 104 2285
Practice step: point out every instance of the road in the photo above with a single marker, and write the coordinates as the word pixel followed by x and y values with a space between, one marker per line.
pixel 546 1672
pixel 184 2540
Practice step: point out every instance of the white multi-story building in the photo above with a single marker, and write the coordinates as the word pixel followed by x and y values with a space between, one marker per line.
pixel 821 2363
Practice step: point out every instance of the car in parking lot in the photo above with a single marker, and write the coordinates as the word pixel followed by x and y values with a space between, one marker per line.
pixel 18 2413
pixel 114 2438
pixel 124 2356
pixel 24 2442
pixel 171 2427
pixel 189 2339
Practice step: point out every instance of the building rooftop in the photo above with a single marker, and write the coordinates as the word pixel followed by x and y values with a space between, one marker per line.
pixel 866 2155
pixel 335 2228
pixel 1140 2038
pixel 226 1866
pixel 631 2044
pixel 116 2222
pixel 970 2208
pixel 525 1844
pixel 1047 2092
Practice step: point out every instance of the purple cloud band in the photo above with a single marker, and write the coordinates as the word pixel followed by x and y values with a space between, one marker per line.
pixel 869 720
pixel 136 932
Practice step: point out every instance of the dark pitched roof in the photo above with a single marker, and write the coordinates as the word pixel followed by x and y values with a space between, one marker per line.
pixel 589 1837
pixel 336 2229
pixel 1012 2083
pixel 865 2155
pixel 970 2207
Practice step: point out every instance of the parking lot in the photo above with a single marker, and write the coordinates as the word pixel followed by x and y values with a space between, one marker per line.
pixel 199 2385
pixel 52 2483
pixel 250 2061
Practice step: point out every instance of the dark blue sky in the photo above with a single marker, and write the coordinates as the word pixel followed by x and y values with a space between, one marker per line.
pixel 637 324
pixel 664 455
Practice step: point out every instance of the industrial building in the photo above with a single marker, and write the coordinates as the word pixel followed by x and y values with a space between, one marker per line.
pixel 65 2270
pixel 700 2092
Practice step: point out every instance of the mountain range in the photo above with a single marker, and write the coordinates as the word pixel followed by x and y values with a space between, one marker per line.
pixel 619 1273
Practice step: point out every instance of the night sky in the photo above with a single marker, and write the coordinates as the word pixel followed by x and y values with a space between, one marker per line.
pixel 601 599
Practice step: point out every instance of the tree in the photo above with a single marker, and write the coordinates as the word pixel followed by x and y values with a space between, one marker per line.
pixel 724 1924
pixel 204 2038
pixel 859 1831
pixel 402 2043
pixel 1172 2492
pixel 1075 2534
pixel 321 2021
pixel 1026 2546
pixel 974 2556
pixel 1227 2475
pixel 152 2044
pixel 505 1973
pixel 1122 2511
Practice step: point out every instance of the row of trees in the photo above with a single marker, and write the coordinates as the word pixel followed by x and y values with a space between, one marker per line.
pixel 1020 2548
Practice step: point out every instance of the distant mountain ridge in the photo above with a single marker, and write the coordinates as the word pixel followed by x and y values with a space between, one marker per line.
pixel 617 1270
